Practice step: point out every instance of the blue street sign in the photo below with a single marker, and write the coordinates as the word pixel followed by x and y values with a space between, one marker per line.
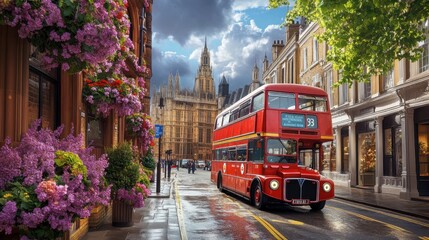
pixel 158 130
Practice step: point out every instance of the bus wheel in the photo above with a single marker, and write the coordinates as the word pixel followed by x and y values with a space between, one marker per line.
pixel 317 206
pixel 219 183
pixel 258 197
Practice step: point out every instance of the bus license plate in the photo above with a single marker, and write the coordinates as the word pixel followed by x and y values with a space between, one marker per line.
pixel 300 201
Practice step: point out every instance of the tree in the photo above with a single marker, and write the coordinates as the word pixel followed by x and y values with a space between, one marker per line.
pixel 365 36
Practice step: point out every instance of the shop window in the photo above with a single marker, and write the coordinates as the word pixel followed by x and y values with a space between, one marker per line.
pixel 345 151
pixel 423 143
pixel 392 155
pixel 43 98
pixel 329 152
pixel 366 158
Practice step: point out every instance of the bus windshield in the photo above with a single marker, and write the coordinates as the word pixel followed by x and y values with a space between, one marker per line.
pixel 281 150
pixel 312 103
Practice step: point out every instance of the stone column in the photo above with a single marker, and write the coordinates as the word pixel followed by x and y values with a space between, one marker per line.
pixel 352 154
pixel 379 154
pixel 409 178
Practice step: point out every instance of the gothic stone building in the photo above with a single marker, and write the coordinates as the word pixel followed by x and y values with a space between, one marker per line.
pixel 187 116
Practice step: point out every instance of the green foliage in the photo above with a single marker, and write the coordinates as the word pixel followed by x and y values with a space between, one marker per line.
pixel 123 170
pixel 24 196
pixel 148 161
pixel 144 177
pixel 366 36
pixel 71 160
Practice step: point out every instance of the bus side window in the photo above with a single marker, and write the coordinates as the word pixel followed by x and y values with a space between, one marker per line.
pixel 241 154
pixel 258 102
pixel 232 154
pixel 256 150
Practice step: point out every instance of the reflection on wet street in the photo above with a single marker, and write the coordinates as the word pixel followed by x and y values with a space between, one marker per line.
pixel 207 213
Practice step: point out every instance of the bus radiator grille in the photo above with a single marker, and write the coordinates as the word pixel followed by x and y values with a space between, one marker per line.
pixel 301 189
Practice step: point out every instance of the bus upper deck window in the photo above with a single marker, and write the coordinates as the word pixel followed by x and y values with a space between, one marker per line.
pixel 281 100
pixel 312 103
pixel 258 102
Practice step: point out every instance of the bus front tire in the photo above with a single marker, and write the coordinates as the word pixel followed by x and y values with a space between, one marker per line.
pixel 258 197
pixel 318 206
pixel 219 183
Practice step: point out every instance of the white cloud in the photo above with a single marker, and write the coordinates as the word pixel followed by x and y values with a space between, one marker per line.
pixel 241 5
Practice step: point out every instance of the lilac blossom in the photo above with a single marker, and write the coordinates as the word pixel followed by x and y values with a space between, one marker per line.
pixel 62 197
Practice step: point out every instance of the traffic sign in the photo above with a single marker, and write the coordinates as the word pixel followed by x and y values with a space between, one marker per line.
pixel 158 130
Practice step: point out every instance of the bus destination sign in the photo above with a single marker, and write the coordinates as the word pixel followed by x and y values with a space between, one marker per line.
pixel 298 121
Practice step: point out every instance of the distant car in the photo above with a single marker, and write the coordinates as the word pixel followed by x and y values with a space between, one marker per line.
pixel 184 163
pixel 201 163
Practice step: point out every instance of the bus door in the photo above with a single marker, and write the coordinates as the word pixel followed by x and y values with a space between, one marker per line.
pixel 309 157
pixel 241 170
pixel 256 149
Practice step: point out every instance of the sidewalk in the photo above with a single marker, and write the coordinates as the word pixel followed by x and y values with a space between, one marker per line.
pixel 417 208
pixel 158 219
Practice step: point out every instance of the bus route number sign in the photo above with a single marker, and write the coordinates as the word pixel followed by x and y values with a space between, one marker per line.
pixel 299 120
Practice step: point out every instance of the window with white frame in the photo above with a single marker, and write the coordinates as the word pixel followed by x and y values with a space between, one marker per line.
pixel 329 87
pixel 305 59
pixel 315 50
pixel 388 80
pixel 344 91
pixel 424 60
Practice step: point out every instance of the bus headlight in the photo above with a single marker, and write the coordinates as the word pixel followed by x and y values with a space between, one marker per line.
pixel 274 184
pixel 327 187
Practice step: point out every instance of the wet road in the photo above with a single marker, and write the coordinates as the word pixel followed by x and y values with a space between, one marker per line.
pixel 205 213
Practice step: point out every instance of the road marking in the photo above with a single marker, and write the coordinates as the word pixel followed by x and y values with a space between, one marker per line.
pixel 372 219
pixel 276 234
pixel 180 219
pixel 293 222
pixel 387 214
pixel 424 238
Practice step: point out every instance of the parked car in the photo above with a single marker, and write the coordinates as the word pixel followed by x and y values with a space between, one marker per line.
pixel 201 164
pixel 184 163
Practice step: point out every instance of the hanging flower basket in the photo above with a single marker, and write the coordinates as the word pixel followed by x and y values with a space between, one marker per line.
pixel 139 125
pixel 75 35
pixel 120 94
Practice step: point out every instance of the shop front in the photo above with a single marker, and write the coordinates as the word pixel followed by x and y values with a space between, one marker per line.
pixel 366 153
pixel 421 119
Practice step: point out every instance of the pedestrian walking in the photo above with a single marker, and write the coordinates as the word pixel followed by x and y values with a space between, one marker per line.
pixel 189 165
pixel 177 164
pixel 193 167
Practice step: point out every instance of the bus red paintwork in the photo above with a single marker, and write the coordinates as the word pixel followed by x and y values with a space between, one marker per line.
pixel 279 123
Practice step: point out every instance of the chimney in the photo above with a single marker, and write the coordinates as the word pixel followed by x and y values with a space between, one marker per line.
pixel 277 47
pixel 291 30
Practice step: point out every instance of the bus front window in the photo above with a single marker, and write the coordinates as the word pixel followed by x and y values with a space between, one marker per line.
pixel 281 150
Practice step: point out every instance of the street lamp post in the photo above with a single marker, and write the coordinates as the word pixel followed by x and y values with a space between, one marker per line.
pixel 158 165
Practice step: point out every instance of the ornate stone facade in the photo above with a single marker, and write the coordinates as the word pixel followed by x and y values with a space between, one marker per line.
pixel 188 115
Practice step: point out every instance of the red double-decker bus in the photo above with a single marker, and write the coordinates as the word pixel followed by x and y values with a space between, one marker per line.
pixel 267 147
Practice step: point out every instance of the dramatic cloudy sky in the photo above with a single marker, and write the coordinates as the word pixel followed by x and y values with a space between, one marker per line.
pixel 239 33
